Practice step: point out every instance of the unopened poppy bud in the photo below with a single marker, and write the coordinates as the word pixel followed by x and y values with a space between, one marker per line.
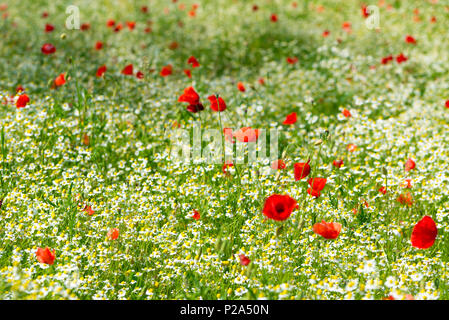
pixel 384 171
pixel 63 36
pixel 318 142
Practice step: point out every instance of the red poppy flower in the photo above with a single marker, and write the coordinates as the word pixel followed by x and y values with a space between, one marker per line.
pixel 387 59
pixel 144 9
pixel 192 98
pixel 100 71
pixel 410 39
pixel 139 75
pixel 278 164
pixel 85 26
pixel 44 15
pixel 228 135
pixel 346 113
pixel 316 185
pixel 173 45
pixel 188 73
pixel 279 207
pixel 424 233
pixel 405 199
pixel 302 170
pixel 217 105
pixel 113 234
pixel 244 260
pixel 328 230
pixel 346 26
pixel 433 19
pixel 60 80
pixel 110 23
pixel 48 48
pixel 45 256
pixel 326 33
pixel 99 45
pixel 226 165
pixel 255 7
pixel 409 165
pixel 247 134
pixel 192 60
pixel 167 70
pixel 118 27
pixel 274 18
pixel 131 25
pixel 365 12
pixel 337 163
pixel 292 60
pixel 88 210
pixel 261 81
pixel 383 190
pixel 128 70
pixel 351 147
pixel 241 87
pixel 408 183
pixel 196 215
pixel 49 27
pixel 401 58
pixel 446 104
pixel 22 101
pixel 19 88
pixel 290 118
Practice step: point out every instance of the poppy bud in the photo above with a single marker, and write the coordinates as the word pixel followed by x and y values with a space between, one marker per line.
pixel 63 36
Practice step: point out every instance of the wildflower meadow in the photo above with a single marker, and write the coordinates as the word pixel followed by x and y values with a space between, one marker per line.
pixel 224 149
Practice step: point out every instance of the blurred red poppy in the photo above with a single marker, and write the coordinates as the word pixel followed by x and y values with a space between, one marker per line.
pixel 410 39
pixel 217 104
pixel 49 27
pixel 424 233
pixel 128 70
pixel 192 98
pixel 405 199
pixel 279 207
pixel 337 163
pixel 401 58
pixel 188 73
pixel 290 118
pixel 113 234
pixel 88 210
pixel 139 75
pixel 292 60
pixel 328 230
pixel 244 260
pixel 278 164
pixel 383 190
pixel 100 71
pixel 192 60
pixel 387 59
pixel 48 48
pixel 302 170
pixel 22 101
pixel 167 70
pixel 409 165
pixel 196 215
pixel 346 113
pixel 85 26
pixel 274 18
pixel 98 45
pixel 60 80
pixel 316 185
pixel 45 256
pixel 131 25
pixel 247 134
pixel 241 87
